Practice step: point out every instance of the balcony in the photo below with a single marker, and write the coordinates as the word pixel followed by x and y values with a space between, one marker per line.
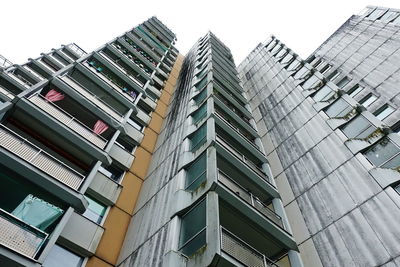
pixel 93 98
pixel 237 130
pixel 19 236
pixel 68 120
pixel 5 63
pixel 249 198
pixel 76 49
pixel 242 158
pixel 39 158
pixel 238 249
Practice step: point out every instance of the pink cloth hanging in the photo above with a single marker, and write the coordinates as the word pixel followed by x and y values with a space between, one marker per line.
pixel 100 127
pixel 54 96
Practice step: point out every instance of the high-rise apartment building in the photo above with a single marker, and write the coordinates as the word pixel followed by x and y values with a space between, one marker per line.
pixel 330 129
pixel 134 155
pixel 209 198
pixel 76 137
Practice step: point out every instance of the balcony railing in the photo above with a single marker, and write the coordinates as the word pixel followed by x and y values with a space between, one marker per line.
pixel 68 120
pixel 5 63
pixel 19 236
pixel 93 98
pixel 40 159
pixel 249 198
pixel 219 115
pixel 243 252
pixel 79 51
pixel 242 158
pixel 228 105
pixel 6 93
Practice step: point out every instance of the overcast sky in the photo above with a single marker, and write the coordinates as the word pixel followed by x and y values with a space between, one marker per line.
pixel 32 27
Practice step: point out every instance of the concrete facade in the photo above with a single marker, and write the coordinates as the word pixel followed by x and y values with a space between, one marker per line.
pixel 341 203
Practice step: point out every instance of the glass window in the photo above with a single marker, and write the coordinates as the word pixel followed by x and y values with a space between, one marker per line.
pixel 343 82
pixel 95 211
pixel 338 109
pixel 198 99
pixel 354 90
pixel 196 173
pixel 389 16
pixel 316 64
pixel 193 229
pixel 358 127
pixel 325 68
pixel 61 257
pixel 367 101
pixel 384 154
pixel 333 75
pixel 383 112
pixel 323 94
pixel 111 172
pixel 199 114
pixel 201 84
pixel 135 124
pixel 311 82
pixel 198 138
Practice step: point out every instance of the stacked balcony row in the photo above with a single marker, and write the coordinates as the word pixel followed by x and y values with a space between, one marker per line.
pixel 227 174
pixel 70 124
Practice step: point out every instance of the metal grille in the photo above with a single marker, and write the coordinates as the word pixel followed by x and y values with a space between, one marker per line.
pixel 68 120
pixel 39 158
pixel 240 251
pixel 19 236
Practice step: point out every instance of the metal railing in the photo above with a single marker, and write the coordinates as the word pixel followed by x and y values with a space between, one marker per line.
pixel 241 157
pixel 75 48
pixel 243 252
pixel 109 81
pixel 227 104
pixel 19 236
pixel 249 198
pixel 5 63
pixel 6 93
pixel 39 158
pixel 68 120
pixel 237 130
pixel 93 98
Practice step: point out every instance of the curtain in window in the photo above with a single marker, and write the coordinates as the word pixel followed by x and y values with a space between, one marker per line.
pixel 37 212
pixel 54 96
pixel 100 127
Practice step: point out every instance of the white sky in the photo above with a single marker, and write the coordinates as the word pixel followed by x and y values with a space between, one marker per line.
pixel 30 27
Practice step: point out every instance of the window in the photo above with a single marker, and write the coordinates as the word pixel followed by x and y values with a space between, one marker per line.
pixel 385 154
pixel 383 112
pixel 193 229
pixel 311 83
pixel 316 64
pixel 358 127
pixel 343 82
pixel 95 211
pixel 325 68
pixel 354 90
pixel 61 257
pixel 198 138
pixel 389 16
pixel 111 172
pixel 199 114
pixel 135 124
pixel 196 173
pixel 368 100
pixel 338 109
pixel 201 84
pixel 198 99
pixel 323 94
pixel 333 75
